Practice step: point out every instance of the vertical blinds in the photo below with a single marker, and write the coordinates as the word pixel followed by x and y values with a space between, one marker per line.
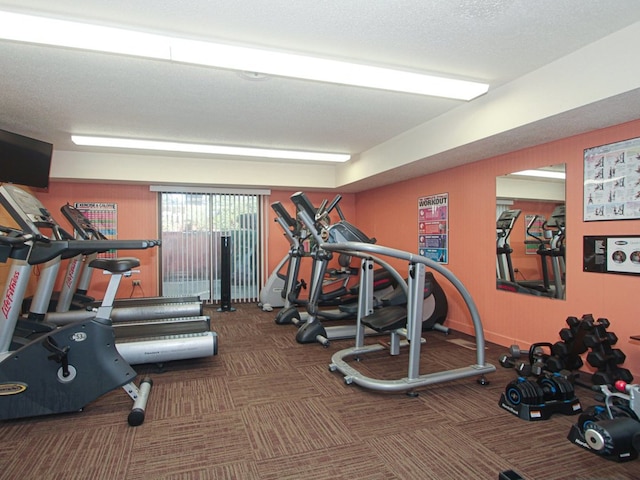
pixel 193 224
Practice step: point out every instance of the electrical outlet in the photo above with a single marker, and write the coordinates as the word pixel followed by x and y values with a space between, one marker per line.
pixel 136 283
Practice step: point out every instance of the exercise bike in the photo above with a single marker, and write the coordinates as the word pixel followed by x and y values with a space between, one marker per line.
pixel 59 370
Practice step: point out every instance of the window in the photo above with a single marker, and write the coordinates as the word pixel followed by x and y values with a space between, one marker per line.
pixel 192 227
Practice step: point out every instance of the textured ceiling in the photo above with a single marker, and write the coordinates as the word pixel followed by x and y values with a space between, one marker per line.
pixel 51 93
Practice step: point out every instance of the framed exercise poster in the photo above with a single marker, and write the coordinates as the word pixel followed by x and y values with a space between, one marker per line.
pixel 612 181
pixel 104 217
pixel 433 227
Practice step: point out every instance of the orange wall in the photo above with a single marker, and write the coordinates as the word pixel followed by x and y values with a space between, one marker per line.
pixel 390 214
pixel 137 219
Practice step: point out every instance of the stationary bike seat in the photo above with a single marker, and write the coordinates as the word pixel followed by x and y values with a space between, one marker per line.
pixel 115 265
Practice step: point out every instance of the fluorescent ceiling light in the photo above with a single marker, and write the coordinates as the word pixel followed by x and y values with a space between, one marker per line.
pixel 541 173
pixel 62 33
pixel 206 149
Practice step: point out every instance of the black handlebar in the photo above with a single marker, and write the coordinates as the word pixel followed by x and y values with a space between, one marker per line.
pixel 45 249
pixel 302 202
pixel 283 214
pixel 333 203
pixel 321 209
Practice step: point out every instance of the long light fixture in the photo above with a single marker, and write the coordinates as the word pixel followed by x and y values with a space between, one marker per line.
pixel 129 143
pixel 71 34
pixel 541 173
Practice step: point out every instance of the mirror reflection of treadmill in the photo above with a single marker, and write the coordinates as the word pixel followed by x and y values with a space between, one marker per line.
pixel 145 341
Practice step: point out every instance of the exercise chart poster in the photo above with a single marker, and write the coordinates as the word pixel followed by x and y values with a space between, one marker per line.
pixel 104 217
pixel 612 181
pixel 433 227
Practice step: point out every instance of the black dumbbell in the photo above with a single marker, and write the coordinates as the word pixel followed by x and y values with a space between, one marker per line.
pixel 600 359
pixel 556 388
pixel 522 391
pixel 573 322
pixel 507 361
pixel 609 376
pixel 566 334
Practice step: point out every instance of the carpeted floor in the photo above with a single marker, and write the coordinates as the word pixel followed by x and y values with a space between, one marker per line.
pixel 268 408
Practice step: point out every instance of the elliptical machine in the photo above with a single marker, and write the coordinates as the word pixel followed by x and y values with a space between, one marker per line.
pixel 281 288
pixel 338 302
pixel 324 233
pixel 61 369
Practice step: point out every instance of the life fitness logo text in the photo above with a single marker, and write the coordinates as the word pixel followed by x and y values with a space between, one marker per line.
pixel 71 272
pixel 11 291
pixel 14 388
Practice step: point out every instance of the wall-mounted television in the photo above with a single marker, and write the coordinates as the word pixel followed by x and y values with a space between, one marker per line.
pixel 24 160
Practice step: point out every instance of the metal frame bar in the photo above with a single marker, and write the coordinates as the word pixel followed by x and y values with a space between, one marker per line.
pixel 417 264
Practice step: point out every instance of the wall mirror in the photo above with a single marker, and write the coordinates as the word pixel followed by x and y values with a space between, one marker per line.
pixel 530 232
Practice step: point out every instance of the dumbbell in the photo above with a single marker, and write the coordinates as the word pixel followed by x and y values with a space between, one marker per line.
pixel 537 358
pixel 601 359
pixel 556 387
pixel 609 377
pixel 562 358
pixel 591 322
pixel 508 361
pixel 600 337
pixel 525 392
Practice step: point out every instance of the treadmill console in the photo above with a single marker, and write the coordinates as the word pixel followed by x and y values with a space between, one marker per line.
pixel 81 224
pixel 26 209
pixel 507 219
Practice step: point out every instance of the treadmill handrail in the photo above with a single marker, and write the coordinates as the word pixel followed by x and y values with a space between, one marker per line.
pixel 44 251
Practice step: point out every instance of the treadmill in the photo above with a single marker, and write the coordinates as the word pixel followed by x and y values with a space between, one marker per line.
pixel 145 341
pixel 78 277
pixel 72 298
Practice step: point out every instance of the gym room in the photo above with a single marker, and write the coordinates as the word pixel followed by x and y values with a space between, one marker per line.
pixel 217 265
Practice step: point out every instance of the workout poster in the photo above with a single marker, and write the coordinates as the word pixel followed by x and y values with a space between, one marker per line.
pixel 612 181
pixel 433 227
pixel 104 217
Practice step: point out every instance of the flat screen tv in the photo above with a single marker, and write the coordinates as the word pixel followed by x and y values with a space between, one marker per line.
pixel 24 160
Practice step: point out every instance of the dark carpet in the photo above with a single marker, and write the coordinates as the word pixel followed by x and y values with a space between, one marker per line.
pixel 268 408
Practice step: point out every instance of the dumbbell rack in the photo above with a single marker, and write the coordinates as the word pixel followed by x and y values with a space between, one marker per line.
pixel 553 366
pixel 588 334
